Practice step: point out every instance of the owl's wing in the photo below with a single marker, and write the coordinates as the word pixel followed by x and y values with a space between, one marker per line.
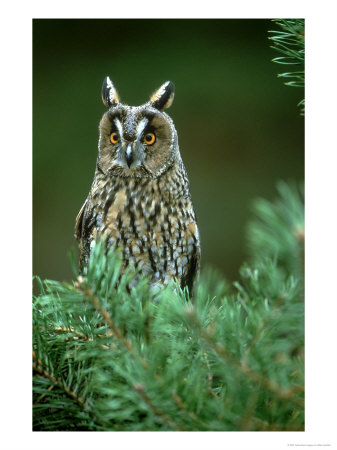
pixel 192 274
pixel 79 221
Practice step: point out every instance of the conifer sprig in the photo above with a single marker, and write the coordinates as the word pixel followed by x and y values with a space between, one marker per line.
pixel 290 42
pixel 108 356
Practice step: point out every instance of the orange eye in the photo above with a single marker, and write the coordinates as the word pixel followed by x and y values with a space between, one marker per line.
pixel 149 138
pixel 114 138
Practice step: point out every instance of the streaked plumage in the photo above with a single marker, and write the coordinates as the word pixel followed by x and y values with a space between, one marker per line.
pixel 140 197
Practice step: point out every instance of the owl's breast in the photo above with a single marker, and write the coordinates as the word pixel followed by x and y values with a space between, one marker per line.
pixel 156 234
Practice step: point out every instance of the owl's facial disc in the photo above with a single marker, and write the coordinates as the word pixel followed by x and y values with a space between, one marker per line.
pixel 136 141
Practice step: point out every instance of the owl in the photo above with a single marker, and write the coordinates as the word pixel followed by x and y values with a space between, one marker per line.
pixel 140 200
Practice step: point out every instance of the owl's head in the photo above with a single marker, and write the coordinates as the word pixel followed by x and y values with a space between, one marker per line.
pixel 137 141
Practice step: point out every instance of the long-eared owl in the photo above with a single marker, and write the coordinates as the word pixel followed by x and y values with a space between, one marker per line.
pixel 140 199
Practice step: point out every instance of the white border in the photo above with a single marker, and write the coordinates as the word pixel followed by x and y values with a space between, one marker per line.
pixel 321 224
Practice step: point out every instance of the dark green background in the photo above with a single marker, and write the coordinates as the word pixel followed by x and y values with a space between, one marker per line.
pixel 239 127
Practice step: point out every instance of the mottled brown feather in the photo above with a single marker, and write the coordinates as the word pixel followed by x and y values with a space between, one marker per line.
pixel 140 199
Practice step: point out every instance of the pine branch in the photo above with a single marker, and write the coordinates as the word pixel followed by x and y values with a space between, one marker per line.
pixel 277 231
pixel 38 367
pixel 108 357
pixel 243 367
pixel 139 388
pixel 290 43
pixel 115 331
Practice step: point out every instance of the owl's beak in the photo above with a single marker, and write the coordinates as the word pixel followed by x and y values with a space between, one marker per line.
pixel 129 155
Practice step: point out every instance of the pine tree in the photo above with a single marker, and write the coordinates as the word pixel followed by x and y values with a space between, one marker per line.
pixel 289 40
pixel 107 358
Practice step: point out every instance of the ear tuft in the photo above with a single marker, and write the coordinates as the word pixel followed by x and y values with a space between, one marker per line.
pixel 109 93
pixel 163 97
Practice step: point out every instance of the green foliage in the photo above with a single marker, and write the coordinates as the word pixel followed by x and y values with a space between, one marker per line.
pixel 290 41
pixel 279 231
pixel 108 356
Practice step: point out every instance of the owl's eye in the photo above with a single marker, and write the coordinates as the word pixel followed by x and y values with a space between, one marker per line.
pixel 150 138
pixel 114 138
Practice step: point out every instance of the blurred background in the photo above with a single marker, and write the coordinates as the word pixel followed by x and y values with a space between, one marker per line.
pixel 239 127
